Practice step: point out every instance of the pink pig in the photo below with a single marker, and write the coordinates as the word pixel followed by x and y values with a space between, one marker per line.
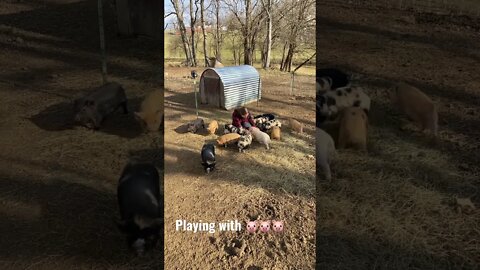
pixel 277 226
pixel 265 226
pixel 251 226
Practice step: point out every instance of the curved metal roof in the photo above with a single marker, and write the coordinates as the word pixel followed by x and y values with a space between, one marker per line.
pixel 241 84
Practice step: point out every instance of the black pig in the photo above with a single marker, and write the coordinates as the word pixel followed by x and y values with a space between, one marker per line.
pixel 140 206
pixel 92 109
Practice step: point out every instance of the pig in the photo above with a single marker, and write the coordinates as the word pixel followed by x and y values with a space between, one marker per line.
pixel 213 62
pixel 275 134
pixel 208 157
pixel 331 103
pixel 353 129
pixel 244 142
pixel 325 152
pixel 337 77
pixel 265 117
pixel 151 114
pixel 141 206
pixel 261 136
pixel 324 84
pixel 228 139
pixel 416 105
pixel 92 109
pixel 212 127
pixel 196 125
pixel 295 125
pixel 229 128
pixel 273 123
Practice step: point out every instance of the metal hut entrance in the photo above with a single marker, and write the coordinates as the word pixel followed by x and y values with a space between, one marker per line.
pixel 230 87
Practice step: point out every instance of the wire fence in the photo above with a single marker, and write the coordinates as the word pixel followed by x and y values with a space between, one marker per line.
pixel 469 8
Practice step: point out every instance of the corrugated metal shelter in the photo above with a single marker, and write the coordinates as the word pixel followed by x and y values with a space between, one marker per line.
pixel 230 87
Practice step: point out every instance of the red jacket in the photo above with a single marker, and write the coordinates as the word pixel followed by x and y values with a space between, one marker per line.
pixel 238 120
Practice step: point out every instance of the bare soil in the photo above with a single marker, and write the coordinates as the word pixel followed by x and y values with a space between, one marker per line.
pixel 261 184
pixel 394 208
pixel 58 181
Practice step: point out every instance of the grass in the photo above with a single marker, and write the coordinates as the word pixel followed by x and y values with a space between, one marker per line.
pixel 174 54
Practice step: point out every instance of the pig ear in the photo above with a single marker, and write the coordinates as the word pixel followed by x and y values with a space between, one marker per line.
pixel 139 115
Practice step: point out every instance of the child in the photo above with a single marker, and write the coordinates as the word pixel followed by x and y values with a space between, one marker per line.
pixel 241 118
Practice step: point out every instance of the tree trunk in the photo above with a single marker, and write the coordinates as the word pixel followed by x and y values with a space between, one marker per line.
pixel 183 30
pixel 268 39
pixel 193 19
pixel 218 43
pixel 202 21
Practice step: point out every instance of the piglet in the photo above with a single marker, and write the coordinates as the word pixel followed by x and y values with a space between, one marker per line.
pixel 92 109
pixel 150 115
pixel 196 125
pixel 141 206
pixel 325 152
pixel 295 125
pixel 260 136
pixel 416 105
pixel 208 157
pixel 212 127
pixel 353 128
pixel 228 139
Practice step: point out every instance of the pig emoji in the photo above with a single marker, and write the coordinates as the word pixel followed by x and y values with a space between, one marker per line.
pixel 265 226
pixel 277 226
pixel 417 106
pixel 251 226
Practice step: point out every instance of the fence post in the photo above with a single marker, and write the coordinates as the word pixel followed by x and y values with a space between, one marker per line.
pixel 102 41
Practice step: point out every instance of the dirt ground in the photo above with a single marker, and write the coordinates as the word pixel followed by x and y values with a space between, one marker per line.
pixel 57 181
pixel 275 184
pixel 394 208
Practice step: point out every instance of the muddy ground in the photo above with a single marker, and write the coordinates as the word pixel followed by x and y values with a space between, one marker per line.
pixel 58 181
pixel 260 184
pixel 395 207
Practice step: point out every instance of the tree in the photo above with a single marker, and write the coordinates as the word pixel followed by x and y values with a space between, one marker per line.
pixel 250 18
pixel 202 22
pixel 193 21
pixel 178 7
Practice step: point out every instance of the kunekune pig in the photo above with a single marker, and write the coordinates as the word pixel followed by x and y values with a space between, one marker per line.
pixel 92 109
pixel 140 206
pixel 337 77
pixel 208 157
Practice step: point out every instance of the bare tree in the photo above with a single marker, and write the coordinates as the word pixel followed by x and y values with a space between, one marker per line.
pixel 267 52
pixel 193 21
pixel 218 38
pixel 202 22
pixel 302 23
pixel 250 18
pixel 178 7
